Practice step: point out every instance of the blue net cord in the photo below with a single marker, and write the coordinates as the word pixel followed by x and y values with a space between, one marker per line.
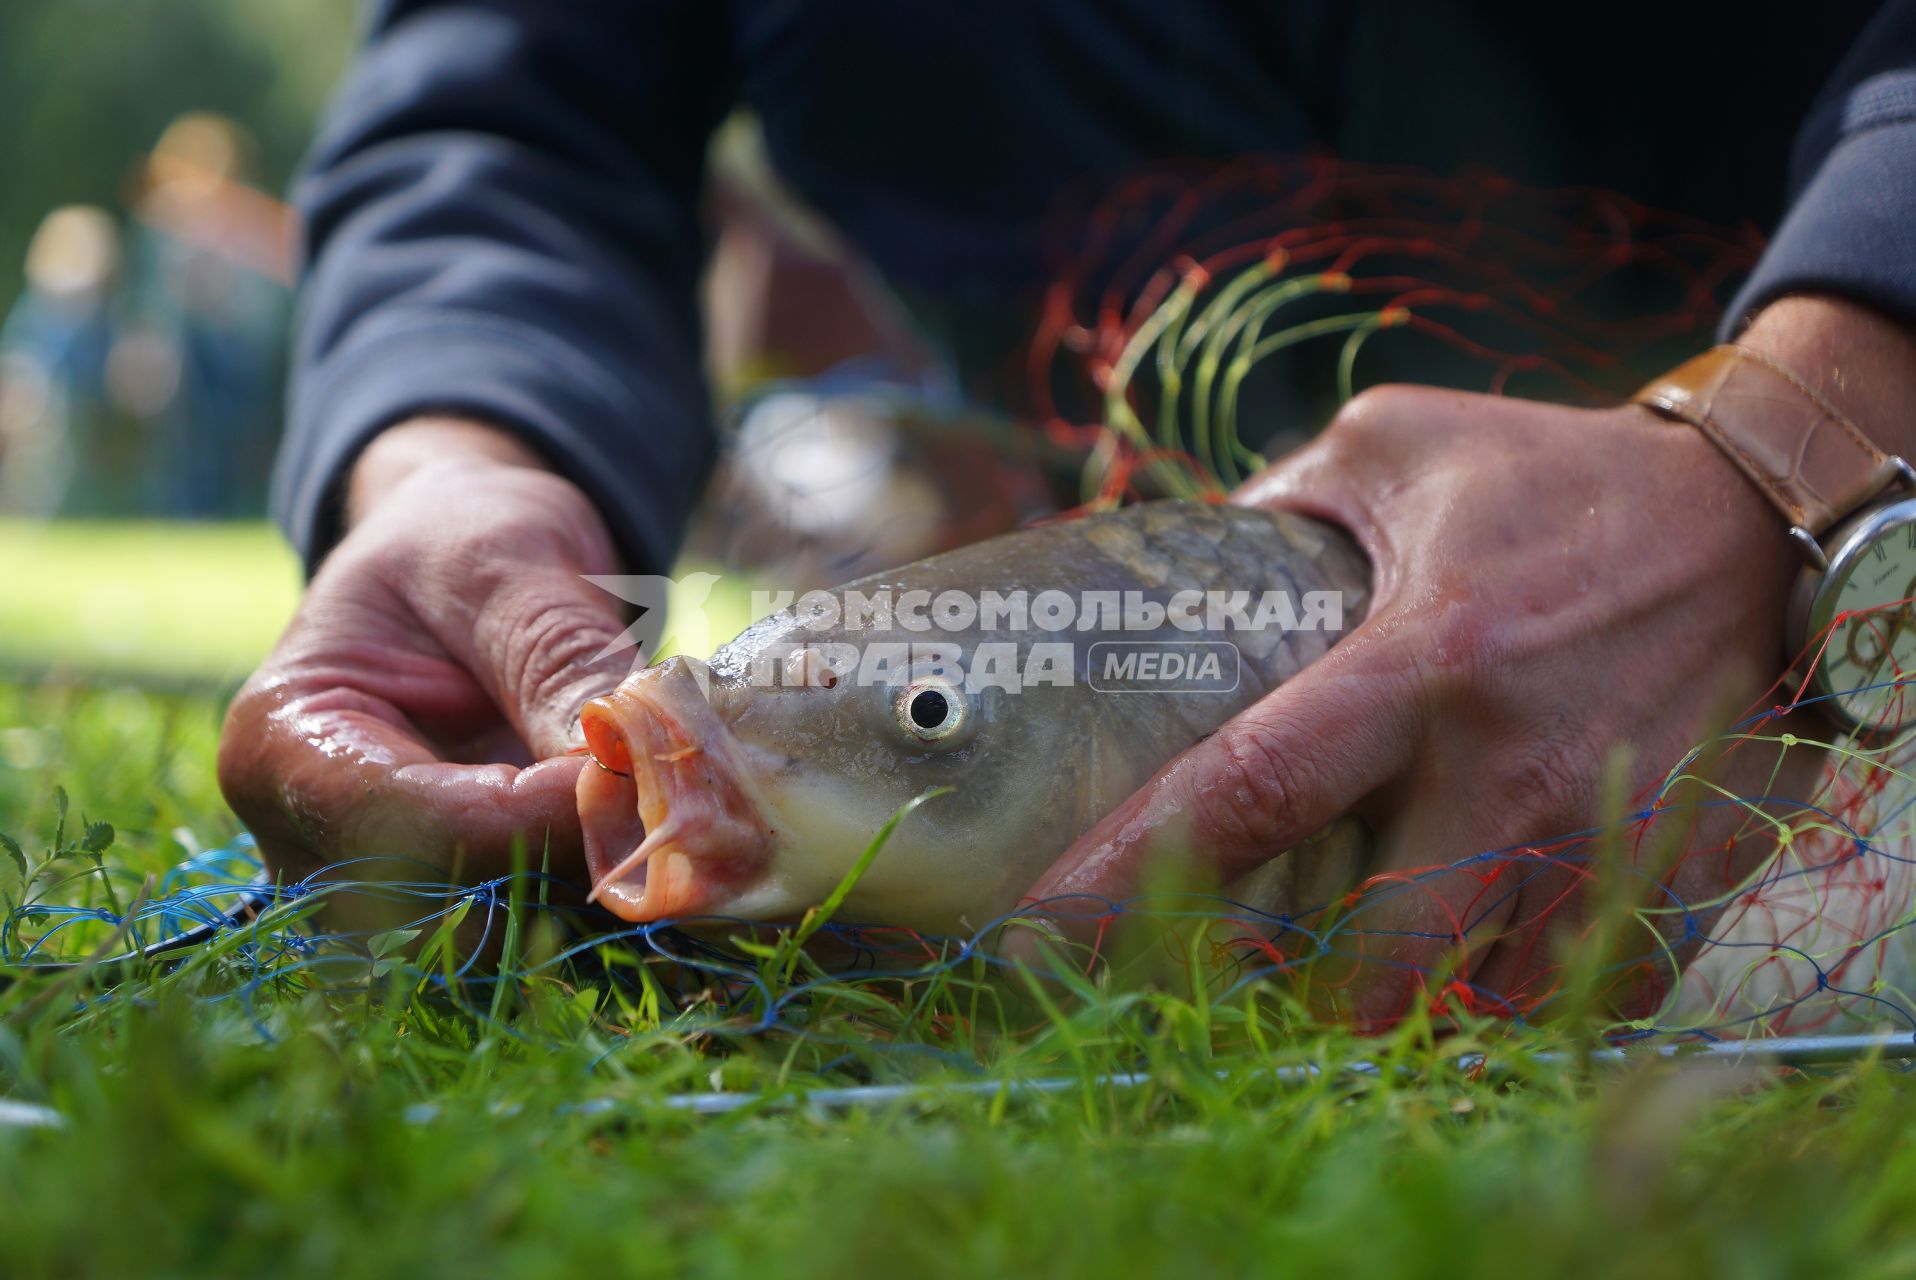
pixel 1836 901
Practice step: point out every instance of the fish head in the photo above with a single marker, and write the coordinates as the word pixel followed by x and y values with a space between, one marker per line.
pixel 750 788
pixel 671 826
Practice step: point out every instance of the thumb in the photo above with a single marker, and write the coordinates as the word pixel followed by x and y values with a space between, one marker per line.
pixel 1264 783
pixel 547 642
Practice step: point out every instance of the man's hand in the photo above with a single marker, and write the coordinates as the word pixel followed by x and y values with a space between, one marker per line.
pixel 1552 585
pixel 444 646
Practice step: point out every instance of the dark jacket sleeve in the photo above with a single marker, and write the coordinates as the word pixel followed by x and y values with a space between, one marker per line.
pixel 1851 227
pixel 500 221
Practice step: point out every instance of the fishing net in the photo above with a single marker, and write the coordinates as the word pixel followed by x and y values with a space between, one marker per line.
pixel 1206 317
pixel 1284 286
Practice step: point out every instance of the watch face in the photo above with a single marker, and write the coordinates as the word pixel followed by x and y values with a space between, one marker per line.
pixel 1869 595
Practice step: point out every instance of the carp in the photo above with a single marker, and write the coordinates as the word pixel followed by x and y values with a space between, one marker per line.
pixel 1033 680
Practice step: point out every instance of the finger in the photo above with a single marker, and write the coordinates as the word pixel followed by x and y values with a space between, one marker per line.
pixel 1493 910
pixel 545 643
pixel 1684 851
pixel 1263 783
pixel 1449 884
pixel 1419 932
pixel 332 773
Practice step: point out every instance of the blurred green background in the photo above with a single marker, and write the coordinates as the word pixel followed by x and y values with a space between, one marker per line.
pixel 179 580
pixel 146 269
pixel 87 87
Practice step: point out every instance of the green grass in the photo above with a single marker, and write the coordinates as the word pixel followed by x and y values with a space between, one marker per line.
pixel 178 601
pixel 382 1129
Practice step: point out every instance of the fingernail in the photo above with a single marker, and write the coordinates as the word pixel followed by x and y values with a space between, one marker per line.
pixel 587 690
pixel 1016 946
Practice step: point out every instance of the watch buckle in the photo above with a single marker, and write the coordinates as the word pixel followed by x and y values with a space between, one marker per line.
pixel 1813 550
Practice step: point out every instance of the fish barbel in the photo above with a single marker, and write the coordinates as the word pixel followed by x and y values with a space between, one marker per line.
pixel 749 787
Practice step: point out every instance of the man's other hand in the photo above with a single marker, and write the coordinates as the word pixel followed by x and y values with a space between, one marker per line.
pixel 1553 586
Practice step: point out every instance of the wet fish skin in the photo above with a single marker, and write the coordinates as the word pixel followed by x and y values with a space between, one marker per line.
pixel 754 800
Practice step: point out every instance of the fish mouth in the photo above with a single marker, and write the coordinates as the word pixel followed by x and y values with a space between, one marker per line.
pixel 671 827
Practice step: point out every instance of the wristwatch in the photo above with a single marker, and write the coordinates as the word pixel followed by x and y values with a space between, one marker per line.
pixel 1851 509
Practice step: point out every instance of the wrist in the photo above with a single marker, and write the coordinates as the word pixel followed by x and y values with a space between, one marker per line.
pixel 1861 361
pixel 440 445
pixel 1813 405
pixel 1737 535
pixel 1798 473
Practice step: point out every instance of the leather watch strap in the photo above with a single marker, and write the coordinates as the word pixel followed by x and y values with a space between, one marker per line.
pixel 1807 458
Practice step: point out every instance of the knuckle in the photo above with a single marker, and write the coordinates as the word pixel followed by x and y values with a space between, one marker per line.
pixel 1255 779
pixel 1377 411
pixel 1469 637
pixel 259 777
pixel 553 646
pixel 484 547
pixel 1545 777
pixel 240 762
pixel 1463 656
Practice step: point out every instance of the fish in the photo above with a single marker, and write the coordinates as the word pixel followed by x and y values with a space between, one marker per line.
pixel 746 787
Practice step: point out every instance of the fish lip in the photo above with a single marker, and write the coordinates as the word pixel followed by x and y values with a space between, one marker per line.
pixel 672 827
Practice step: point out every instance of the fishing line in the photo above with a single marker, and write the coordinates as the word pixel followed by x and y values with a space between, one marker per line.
pixel 1487 275
pixel 251 899
pixel 1790 1051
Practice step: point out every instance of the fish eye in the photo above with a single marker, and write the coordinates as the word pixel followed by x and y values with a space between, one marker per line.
pixel 933 710
pixel 930 709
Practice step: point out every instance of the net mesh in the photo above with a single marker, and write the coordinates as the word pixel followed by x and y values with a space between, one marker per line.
pixel 1271 282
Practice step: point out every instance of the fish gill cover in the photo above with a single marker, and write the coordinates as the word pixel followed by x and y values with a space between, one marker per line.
pixel 1318 278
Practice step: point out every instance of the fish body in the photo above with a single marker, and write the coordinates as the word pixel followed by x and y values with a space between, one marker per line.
pixel 748 787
